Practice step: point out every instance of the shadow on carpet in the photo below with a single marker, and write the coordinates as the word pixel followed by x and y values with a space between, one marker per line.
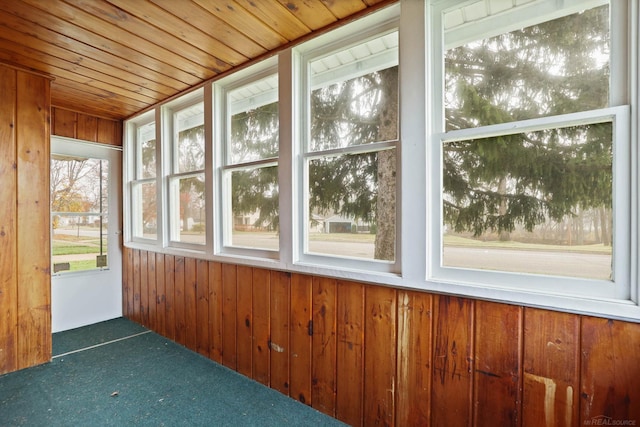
pixel 140 379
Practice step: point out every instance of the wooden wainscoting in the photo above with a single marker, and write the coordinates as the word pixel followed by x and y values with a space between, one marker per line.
pixel 375 355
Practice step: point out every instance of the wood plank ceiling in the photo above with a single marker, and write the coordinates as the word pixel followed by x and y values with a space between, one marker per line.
pixel 114 58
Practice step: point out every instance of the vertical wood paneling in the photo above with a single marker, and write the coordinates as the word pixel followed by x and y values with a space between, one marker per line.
pixel 279 336
pixel 137 274
pixel 323 349
pixel 153 292
pixel 300 339
pixel 452 361
pixel 215 311
pixel 498 360
pixel 170 296
pixel 8 234
pixel 33 267
pixel 71 124
pixel 190 303
pixel 127 282
pixel 202 307
pixel 109 132
pixel 610 387
pixel 160 295
pixel 179 301
pixel 229 315
pixel 551 368
pixel 144 288
pixel 87 129
pixel 261 325
pixel 350 352
pixel 64 123
pixel 413 389
pixel 244 318
pixel 380 357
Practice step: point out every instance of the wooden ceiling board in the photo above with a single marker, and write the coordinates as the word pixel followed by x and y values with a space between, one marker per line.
pixel 276 16
pixel 160 18
pixel 115 58
pixel 178 50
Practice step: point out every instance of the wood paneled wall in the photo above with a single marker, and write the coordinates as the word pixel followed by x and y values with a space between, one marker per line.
pixel 375 355
pixel 25 291
pixel 87 128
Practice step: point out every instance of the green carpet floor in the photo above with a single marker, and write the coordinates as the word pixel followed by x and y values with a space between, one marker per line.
pixel 124 375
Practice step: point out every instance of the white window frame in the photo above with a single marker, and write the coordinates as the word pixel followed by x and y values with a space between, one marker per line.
pixel 171 176
pixel 547 291
pixel 132 164
pixel 361 31
pixel 224 165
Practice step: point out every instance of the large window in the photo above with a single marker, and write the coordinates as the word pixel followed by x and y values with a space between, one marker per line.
pixel 532 149
pixel 250 170
pixel 350 149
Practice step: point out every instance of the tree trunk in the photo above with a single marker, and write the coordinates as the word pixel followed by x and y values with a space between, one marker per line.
pixel 385 242
pixel 505 235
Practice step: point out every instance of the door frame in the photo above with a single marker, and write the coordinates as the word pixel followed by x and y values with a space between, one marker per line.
pixel 86 297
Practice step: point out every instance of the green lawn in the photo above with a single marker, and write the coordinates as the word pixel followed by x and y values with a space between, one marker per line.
pixel 459 241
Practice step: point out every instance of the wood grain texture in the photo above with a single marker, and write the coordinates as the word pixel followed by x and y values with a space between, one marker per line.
pixel 323 350
pixel 170 296
pixel 180 301
pixel 202 307
pixel 8 232
pixel 33 266
pixel 244 320
pixel 152 291
pixel 112 59
pixel 71 124
pixel 229 316
pixel 610 371
pixel 497 377
pixel 414 346
pixel 161 306
pixel 144 288
pixel 190 303
pixel 380 319
pixel 551 367
pixel 279 342
pixel 137 275
pixel 452 361
pixel 300 338
pixel 350 329
pixel 261 322
pixel 215 311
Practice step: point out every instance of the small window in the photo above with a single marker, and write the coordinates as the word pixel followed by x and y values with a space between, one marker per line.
pixel 251 194
pixel 350 158
pixel 144 185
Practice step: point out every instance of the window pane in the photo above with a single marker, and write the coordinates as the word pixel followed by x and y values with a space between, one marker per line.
pixel 188 196
pixel 189 145
pixel 145 208
pixel 146 153
pixel 556 67
pixel 79 212
pixel 254 202
pixel 352 205
pixel 354 95
pixel 537 202
pixel 254 121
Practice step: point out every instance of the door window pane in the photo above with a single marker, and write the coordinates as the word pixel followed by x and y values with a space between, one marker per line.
pixel 79 213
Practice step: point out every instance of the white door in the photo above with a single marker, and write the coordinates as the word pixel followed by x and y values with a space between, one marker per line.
pixel 86 224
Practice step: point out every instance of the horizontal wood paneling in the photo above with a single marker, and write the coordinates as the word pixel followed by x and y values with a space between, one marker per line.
pixel 374 355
